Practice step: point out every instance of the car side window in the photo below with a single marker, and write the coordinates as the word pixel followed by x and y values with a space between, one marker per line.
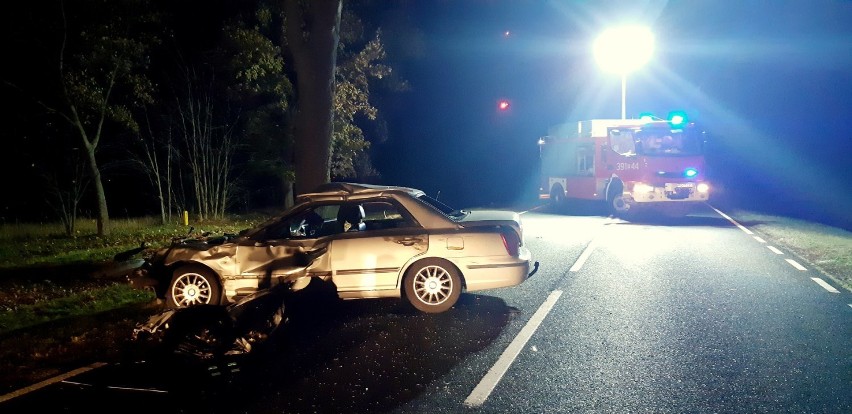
pixel 380 215
pixel 305 224
pixel 328 213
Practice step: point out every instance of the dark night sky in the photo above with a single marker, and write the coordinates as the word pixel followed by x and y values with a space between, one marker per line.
pixel 770 81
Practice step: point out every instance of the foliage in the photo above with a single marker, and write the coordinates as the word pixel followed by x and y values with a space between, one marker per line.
pixel 102 66
pixel 355 72
pixel 110 72
pixel 257 66
pixel 65 184
pixel 258 81
pixel 208 147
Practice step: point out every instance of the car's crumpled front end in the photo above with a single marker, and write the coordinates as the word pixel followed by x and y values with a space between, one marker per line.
pixel 154 272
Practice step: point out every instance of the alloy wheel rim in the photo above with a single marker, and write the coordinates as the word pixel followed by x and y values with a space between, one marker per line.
pixel 433 285
pixel 191 289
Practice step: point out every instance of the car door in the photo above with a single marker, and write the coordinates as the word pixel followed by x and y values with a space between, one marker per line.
pixel 290 247
pixel 371 259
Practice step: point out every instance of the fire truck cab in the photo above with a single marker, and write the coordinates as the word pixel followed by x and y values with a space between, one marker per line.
pixel 632 164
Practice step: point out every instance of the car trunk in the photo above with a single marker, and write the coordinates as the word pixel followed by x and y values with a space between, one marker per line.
pixel 494 218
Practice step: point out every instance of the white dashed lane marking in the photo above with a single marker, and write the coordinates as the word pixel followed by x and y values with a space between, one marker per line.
pixel 774 250
pixel 825 285
pixel 583 257
pixel 795 264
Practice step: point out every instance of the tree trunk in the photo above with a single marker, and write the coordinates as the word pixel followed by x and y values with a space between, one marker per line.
pixel 313 30
pixel 103 214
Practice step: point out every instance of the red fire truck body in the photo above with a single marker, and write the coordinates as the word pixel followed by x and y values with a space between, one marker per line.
pixel 631 164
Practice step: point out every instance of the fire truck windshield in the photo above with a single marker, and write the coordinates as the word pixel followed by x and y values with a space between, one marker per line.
pixel 668 142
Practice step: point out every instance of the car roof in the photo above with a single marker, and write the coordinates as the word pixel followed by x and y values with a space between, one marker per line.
pixel 426 215
pixel 343 190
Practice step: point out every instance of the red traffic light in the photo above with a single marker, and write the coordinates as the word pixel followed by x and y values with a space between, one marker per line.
pixel 503 105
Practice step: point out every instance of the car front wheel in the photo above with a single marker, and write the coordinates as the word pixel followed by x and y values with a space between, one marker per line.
pixel 432 285
pixel 192 285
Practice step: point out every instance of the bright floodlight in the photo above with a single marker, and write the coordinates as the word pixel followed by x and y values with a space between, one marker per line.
pixel 624 49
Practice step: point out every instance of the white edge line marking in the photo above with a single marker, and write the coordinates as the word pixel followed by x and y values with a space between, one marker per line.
pixel 774 250
pixel 50 381
pixel 795 264
pixel 583 257
pixel 534 208
pixel 747 231
pixel 825 285
pixel 759 239
pixel 115 387
pixel 154 390
pixel 479 394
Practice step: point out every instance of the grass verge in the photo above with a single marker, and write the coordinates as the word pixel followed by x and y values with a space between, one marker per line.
pixel 87 302
pixel 27 244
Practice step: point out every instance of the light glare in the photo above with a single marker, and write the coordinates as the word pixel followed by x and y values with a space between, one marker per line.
pixel 624 49
pixel 643 188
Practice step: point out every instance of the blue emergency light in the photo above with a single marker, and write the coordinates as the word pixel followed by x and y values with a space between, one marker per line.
pixel 677 119
pixel 646 117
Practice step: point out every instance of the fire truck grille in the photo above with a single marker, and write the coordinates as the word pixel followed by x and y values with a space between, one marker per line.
pixel 679 193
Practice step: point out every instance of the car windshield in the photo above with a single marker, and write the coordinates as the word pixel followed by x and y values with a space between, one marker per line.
pixel 254 232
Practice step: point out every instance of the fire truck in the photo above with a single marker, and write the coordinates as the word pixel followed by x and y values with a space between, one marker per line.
pixel 631 164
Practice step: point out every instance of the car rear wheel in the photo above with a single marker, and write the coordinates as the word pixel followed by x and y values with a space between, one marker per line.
pixel 432 285
pixel 192 285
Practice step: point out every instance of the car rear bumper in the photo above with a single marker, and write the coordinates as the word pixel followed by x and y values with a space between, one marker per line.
pixel 496 272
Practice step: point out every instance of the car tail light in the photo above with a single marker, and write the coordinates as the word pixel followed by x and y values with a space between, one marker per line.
pixel 511 242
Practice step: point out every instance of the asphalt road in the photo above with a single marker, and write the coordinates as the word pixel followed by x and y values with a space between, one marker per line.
pixel 682 315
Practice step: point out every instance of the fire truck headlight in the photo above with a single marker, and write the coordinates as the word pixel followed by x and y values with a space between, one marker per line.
pixel 643 188
pixel 690 172
pixel 703 188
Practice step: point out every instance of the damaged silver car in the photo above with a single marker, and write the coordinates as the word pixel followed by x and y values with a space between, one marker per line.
pixel 368 241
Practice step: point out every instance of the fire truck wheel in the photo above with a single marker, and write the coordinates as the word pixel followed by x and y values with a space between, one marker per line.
pixel 557 197
pixel 615 199
pixel 619 206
